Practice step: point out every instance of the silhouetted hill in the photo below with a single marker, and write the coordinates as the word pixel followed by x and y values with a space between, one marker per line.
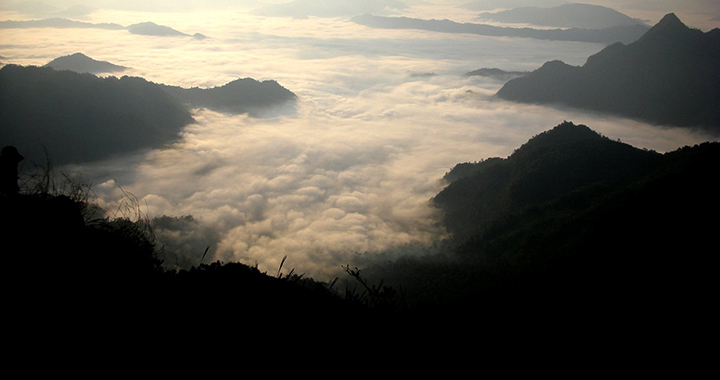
pixel 153 29
pixel 61 262
pixel 564 16
pixel 81 63
pixel 624 34
pixel 81 117
pixel 669 76
pixel 143 28
pixel 548 166
pixel 244 95
pixel 573 223
pixel 57 22
pixel 496 73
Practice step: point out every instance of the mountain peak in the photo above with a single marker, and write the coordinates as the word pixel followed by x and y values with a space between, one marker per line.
pixel 81 63
pixel 670 24
pixel 670 19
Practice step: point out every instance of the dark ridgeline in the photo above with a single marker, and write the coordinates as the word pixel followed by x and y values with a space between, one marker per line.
pixel 70 272
pixel 585 16
pixel 80 63
pixel 245 95
pixel 572 230
pixel 669 76
pixel 622 33
pixel 496 73
pixel 572 225
pixel 79 117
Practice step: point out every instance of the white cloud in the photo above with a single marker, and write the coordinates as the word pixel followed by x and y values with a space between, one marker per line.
pixel 354 170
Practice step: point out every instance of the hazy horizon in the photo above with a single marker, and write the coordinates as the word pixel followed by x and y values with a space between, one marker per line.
pixel 381 116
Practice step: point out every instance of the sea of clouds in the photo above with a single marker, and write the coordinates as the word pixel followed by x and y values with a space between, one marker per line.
pixel 381 116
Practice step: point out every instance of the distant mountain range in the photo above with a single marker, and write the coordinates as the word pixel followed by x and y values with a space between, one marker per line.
pixel 81 117
pixel 143 28
pixel 564 16
pixel 496 73
pixel 669 76
pixel 153 29
pixel 81 63
pixel 57 22
pixel 624 34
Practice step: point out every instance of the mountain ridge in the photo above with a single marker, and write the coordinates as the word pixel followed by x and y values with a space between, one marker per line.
pixel 625 34
pixel 81 63
pixel 668 76
pixel 571 15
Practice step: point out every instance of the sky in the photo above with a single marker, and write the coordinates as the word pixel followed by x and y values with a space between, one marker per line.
pixel 381 116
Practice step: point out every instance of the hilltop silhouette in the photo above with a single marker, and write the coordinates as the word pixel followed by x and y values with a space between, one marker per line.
pixel 153 29
pixel 496 73
pixel 563 16
pixel 66 264
pixel 622 33
pixel 669 76
pixel 245 95
pixel 144 28
pixel 81 63
pixel 572 222
pixel 81 117
pixel 571 230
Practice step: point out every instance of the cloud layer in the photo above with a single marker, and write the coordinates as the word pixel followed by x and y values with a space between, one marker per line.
pixel 381 116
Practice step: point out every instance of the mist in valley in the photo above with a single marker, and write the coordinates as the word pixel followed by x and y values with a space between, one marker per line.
pixel 347 176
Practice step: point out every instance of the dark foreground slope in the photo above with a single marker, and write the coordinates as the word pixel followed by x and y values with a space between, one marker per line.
pixel 70 274
pixel 575 224
pixel 669 76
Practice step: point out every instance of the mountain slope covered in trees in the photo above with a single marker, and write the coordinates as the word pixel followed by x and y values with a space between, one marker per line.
pixel 79 117
pixel 570 222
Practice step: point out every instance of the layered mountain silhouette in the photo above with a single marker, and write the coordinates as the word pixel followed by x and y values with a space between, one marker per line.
pixel 669 76
pixel 564 16
pixel 572 222
pixel 57 22
pixel 143 28
pixel 81 117
pixel 245 95
pixel 152 29
pixel 81 63
pixel 496 73
pixel 625 33
pixel 549 166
